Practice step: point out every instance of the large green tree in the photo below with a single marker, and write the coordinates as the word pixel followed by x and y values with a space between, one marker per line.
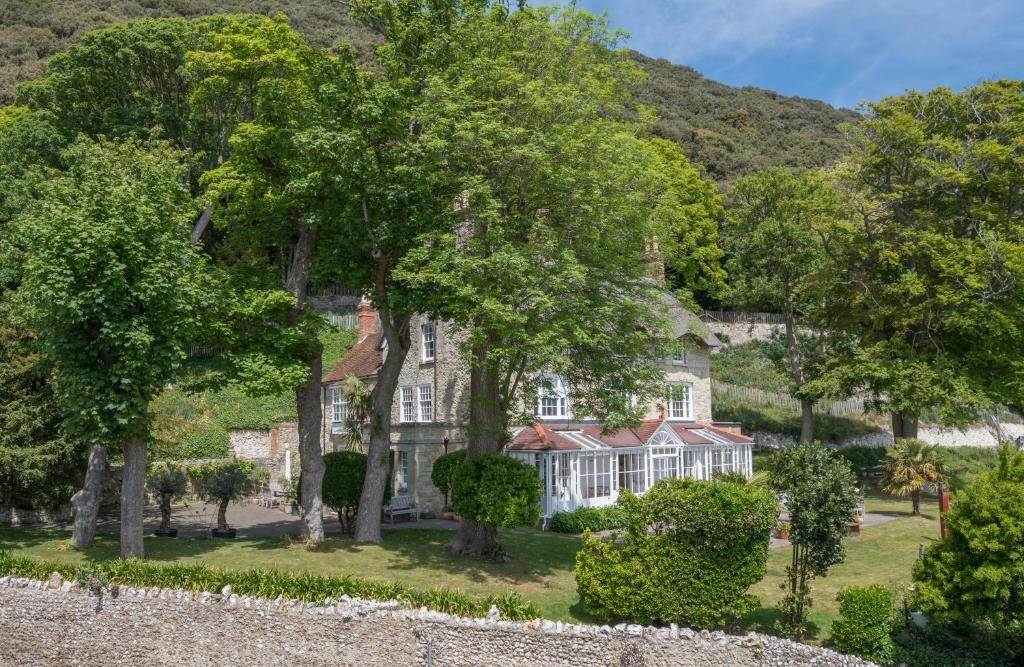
pixel 924 289
pixel 545 264
pixel 110 276
pixel 779 222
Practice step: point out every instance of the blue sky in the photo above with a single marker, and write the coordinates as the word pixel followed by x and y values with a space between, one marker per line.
pixel 840 51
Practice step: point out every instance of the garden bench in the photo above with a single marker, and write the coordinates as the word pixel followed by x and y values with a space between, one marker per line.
pixel 400 505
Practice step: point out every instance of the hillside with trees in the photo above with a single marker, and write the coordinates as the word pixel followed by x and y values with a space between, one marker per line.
pixel 731 131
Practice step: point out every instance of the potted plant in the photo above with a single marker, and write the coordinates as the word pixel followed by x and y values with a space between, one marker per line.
pixel 166 481
pixel 783 530
pixel 223 482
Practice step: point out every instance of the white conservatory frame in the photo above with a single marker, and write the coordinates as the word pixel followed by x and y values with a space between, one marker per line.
pixel 593 475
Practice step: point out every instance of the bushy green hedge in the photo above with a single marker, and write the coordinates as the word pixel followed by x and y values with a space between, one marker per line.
pixel 443 471
pixel 710 545
pixel 864 626
pixel 272 583
pixel 497 491
pixel 589 518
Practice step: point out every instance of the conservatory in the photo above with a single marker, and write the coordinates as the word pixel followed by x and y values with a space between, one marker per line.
pixel 579 466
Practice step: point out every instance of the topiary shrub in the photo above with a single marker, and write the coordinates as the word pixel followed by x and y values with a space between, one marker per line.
pixel 589 518
pixel 223 482
pixel 167 481
pixel 497 491
pixel 344 473
pixel 691 551
pixel 864 627
pixel 443 471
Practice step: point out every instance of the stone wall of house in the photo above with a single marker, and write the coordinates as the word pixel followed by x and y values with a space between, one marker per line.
pixel 56 623
pixel 697 373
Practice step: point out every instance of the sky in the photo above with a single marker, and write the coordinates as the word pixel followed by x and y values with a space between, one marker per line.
pixel 839 51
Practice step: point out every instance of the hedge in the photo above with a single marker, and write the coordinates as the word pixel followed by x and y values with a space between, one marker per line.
pixel 710 546
pixel 864 626
pixel 593 519
pixel 273 583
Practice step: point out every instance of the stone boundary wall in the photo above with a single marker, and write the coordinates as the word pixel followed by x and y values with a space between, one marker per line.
pixel 972 436
pixel 56 623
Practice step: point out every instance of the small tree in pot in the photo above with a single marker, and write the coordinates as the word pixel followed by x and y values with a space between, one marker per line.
pixel 224 482
pixel 167 481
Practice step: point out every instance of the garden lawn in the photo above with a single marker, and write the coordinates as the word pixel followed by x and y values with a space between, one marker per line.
pixel 540 568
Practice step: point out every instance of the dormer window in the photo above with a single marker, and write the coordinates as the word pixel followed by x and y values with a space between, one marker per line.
pixel 679 358
pixel 552 397
pixel 427 338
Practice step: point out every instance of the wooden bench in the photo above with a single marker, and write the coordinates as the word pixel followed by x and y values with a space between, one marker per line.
pixel 401 505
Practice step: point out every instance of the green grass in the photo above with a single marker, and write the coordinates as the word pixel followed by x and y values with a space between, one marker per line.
pixel 540 567
pixel 748 365
pixel 772 419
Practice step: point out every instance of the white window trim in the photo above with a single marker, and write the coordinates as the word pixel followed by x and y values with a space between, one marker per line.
pixel 558 392
pixel 406 415
pixel 402 471
pixel 338 399
pixel 679 358
pixel 420 402
pixel 429 326
pixel 688 403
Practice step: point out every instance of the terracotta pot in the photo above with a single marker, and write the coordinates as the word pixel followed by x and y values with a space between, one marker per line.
pixel 783 534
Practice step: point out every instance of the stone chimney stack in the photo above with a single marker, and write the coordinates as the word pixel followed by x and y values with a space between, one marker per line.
pixel 367 320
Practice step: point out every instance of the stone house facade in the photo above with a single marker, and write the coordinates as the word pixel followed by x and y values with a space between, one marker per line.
pixel 431 407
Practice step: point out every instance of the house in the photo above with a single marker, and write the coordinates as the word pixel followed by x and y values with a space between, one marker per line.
pixel 578 465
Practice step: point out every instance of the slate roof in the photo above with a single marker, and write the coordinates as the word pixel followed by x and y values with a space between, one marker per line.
pixel 363 359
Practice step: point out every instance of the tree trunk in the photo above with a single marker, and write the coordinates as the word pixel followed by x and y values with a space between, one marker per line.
pixel 311 459
pixel 133 498
pixel 86 500
pixel 371 500
pixel 796 366
pixel 165 511
pixel 915 502
pixel 307 395
pixel 486 435
pixel 904 426
pixel 222 514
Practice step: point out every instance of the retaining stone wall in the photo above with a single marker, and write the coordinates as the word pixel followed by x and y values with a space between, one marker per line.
pixel 972 436
pixel 57 623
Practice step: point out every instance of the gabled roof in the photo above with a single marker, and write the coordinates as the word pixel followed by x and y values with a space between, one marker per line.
pixel 363 359
pixel 586 435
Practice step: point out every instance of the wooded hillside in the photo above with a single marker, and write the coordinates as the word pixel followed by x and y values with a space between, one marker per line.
pixel 731 131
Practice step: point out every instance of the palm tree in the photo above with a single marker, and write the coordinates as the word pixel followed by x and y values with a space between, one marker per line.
pixel 909 464
pixel 358 395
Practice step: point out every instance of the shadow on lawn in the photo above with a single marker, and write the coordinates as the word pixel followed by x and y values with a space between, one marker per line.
pixel 533 556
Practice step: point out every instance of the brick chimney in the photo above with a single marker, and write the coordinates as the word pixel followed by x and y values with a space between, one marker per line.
pixel 367 320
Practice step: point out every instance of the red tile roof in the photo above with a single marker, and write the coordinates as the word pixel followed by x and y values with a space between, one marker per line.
pixel 363 359
pixel 548 436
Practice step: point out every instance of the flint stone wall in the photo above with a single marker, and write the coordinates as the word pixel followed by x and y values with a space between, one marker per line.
pixel 972 436
pixel 57 623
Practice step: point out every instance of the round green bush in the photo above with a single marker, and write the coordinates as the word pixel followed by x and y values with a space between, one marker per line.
pixel 444 469
pixel 691 551
pixel 589 518
pixel 342 487
pixel 497 491
pixel 864 626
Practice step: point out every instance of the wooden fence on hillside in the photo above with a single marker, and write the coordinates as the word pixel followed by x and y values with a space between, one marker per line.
pixel 849 407
pixel 735 317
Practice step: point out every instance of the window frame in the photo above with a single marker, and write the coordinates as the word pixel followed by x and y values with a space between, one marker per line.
pixel 679 358
pixel 406 405
pixel 429 402
pixel 339 401
pixel 686 403
pixel 425 341
pixel 553 402
pixel 401 472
